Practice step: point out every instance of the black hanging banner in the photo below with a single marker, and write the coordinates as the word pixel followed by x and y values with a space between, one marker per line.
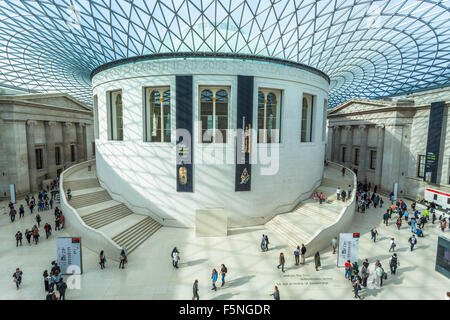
pixel 184 119
pixel 243 172
pixel 434 141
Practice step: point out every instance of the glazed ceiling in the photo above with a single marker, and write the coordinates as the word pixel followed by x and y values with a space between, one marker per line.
pixel 369 49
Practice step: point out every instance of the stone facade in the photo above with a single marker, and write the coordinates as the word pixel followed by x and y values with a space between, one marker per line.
pixel 383 140
pixel 49 122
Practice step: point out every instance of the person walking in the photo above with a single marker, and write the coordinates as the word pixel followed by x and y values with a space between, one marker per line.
pixel 263 243
pixel 195 291
pixel 297 255
pixel 175 257
pixel 214 276
pixel 348 270
pixel 334 244
pixel 321 198
pixel 276 294
pixel 102 259
pixel 28 235
pixel 69 194
pixel 399 223
pixel 393 245
pixel 35 231
pixel 374 234
pixel 266 241
pixel 379 275
pixel 394 263
pixel 282 261
pixel 365 272
pixel 123 259
pixel 338 193
pixel 413 225
pixel 48 230
pixel 443 224
pixel 18 238
pixel 223 272
pixel 17 277
pixel 356 287
pixel 46 280
pixel 386 218
pixel 317 260
pixel 12 214
pixel 38 219
pixel 343 195
pixel 349 191
pixel 303 254
pixel 381 202
pixel 57 223
pixel 21 211
pixel 61 286
pixel 62 220
pixel 412 241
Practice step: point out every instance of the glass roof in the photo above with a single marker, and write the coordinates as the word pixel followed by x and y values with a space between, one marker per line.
pixel 369 49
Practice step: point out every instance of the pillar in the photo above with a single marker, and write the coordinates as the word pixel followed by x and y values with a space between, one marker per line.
pixel 362 153
pixel 336 143
pixel 379 162
pixel 31 155
pixel 67 140
pixel 80 143
pixel 348 146
pixel 50 135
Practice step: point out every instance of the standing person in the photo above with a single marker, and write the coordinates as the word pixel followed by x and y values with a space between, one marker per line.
pixel 123 259
pixel 21 211
pixel 374 234
pixel 433 217
pixel 343 195
pixel 399 223
pixel 276 294
pixel 48 230
pixel 381 202
pixel 412 241
pixel 334 244
pixel 303 253
pixel 282 261
pixel 51 203
pixel 214 276
pixel 317 260
pixel 62 220
pixel 175 257
pixel 38 219
pixel 69 194
pixel 18 238
pixel 89 165
pixel 443 224
pixel 195 291
pixel 315 196
pixel 57 221
pixel 393 245
pixel 349 191
pixel 379 275
pixel 17 277
pixel 12 214
pixel 35 231
pixel 356 287
pixel 223 272
pixel 297 255
pixel 102 259
pixel 386 218
pixel 348 269
pixel 46 280
pixel 393 263
pixel 266 241
pixel 61 286
pixel 28 234
pixel 365 272
pixel 413 225
pixel 338 193
pixel 375 189
pixel 263 243
pixel 321 198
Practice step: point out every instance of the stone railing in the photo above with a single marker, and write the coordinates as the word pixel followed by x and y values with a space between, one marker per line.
pixel 322 238
pixel 92 238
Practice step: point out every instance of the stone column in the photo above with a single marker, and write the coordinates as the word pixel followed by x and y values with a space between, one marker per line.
pixel 67 140
pixel 348 146
pixel 80 142
pixel 50 136
pixel 330 141
pixel 379 163
pixel 31 155
pixel 362 153
pixel 336 143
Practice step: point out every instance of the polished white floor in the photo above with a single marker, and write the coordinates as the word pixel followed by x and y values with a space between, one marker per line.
pixel 251 273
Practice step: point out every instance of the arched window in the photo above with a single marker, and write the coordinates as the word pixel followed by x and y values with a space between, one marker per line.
pixel 157 126
pixel 115 114
pixel 307 118
pixel 213 115
pixel 268 116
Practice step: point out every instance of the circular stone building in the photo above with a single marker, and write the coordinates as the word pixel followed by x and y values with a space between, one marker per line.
pixel 177 135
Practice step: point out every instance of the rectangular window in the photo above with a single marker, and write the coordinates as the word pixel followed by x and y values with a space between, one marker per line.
pixel 57 156
pixel 72 153
pixel 324 128
pixel 269 101
pixel 356 157
pixel 343 154
pixel 39 158
pixel 307 118
pixel 157 124
pixel 435 196
pixel 96 117
pixel 115 115
pixel 373 159
pixel 214 114
pixel 420 165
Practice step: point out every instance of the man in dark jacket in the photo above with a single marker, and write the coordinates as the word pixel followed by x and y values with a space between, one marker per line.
pixel 282 261
pixel 303 252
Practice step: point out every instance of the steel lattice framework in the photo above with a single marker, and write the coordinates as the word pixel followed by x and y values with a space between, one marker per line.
pixel 368 48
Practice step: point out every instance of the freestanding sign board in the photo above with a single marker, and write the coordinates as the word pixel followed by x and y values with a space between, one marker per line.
pixel 348 248
pixel 69 255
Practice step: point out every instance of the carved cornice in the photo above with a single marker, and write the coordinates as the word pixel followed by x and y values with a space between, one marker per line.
pixel 32 122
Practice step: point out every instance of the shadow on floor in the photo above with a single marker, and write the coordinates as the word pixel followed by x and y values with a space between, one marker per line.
pixel 225 296
pixel 191 263
pixel 239 281
pixel 244 230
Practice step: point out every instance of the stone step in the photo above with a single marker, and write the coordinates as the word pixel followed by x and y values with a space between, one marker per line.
pixel 81 184
pixel 89 199
pixel 289 229
pixel 84 211
pixel 292 239
pixel 106 216
pixel 132 237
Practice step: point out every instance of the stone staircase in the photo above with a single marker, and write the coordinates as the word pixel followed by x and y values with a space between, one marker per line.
pixel 99 211
pixel 301 224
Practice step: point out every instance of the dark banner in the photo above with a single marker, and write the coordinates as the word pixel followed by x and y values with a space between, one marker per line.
pixel 184 124
pixel 434 141
pixel 244 128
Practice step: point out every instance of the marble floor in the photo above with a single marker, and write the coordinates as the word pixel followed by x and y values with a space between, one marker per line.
pixel 251 273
